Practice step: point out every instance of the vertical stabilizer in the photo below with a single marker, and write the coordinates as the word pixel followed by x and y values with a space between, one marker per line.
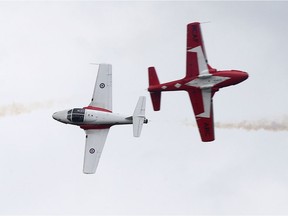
pixel 153 78
pixel 154 81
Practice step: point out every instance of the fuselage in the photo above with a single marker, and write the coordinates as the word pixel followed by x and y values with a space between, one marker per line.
pixel 88 118
pixel 214 80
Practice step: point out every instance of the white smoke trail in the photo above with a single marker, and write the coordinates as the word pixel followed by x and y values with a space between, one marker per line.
pixel 280 124
pixel 18 108
pixel 269 125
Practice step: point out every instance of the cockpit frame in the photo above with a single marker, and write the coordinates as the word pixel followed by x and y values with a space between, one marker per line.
pixel 76 115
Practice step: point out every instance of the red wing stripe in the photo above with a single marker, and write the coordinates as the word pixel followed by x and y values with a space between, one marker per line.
pixel 196 101
pixel 206 128
pixel 205 125
pixel 194 39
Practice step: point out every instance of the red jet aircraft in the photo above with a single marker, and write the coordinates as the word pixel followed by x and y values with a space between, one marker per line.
pixel 201 82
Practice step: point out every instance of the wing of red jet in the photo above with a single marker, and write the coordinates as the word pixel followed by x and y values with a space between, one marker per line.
pixel 197 69
pixel 195 44
pixel 204 118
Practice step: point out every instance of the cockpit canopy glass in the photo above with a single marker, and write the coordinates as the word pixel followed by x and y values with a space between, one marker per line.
pixel 76 115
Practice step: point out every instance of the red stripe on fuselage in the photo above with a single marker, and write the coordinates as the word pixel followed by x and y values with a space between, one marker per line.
pixel 97 108
pixel 97 127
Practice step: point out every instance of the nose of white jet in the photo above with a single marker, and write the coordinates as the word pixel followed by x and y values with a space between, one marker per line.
pixel 60 116
pixel 56 116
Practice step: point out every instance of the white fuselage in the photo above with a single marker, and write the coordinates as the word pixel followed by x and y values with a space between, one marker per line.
pixel 90 117
pixel 95 117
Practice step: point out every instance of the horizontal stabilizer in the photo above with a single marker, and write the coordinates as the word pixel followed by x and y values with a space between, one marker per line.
pixel 156 100
pixel 139 116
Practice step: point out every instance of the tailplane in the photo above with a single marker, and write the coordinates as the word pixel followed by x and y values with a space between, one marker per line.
pixel 154 81
pixel 139 116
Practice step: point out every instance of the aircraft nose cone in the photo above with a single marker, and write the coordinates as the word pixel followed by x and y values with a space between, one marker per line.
pixel 245 75
pixel 56 116
pixel 60 116
pixel 240 76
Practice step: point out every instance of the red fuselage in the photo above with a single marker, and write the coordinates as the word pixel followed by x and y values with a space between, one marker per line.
pixel 217 80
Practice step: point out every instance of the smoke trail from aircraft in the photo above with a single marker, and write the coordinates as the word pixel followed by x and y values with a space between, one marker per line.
pixel 18 108
pixel 269 125
pixel 280 124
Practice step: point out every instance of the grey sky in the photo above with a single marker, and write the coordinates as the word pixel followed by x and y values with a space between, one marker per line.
pixel 45 53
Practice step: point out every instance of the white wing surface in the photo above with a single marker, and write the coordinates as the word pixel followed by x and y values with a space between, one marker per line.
pixel 102 95
pixel 95 140
pixel 202 65
pixel 207 100
pixel 139 116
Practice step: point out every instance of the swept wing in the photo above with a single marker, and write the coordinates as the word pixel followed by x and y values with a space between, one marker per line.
pixel 204 118
pixel 196 59
pixel 102 94
pixel 95 140
pixel 198 68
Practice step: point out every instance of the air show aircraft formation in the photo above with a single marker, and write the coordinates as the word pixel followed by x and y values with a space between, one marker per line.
pixel 201 82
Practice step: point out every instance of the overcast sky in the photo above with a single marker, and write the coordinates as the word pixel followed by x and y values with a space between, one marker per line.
pixel 45 53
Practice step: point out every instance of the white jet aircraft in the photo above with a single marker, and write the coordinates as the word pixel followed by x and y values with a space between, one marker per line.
pixel 97 118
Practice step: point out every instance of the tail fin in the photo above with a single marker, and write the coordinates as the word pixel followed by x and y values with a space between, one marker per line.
pixel 155 96
pixel 139 116
pixel 153 78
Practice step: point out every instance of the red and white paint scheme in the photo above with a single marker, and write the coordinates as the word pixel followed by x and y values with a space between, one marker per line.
pixel 97 118
pixel 201 82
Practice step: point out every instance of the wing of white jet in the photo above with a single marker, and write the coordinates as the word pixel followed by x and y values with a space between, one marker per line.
pixel 95 140
pixel 102 95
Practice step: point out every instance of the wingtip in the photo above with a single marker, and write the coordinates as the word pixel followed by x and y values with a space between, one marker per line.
pixel 89 172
